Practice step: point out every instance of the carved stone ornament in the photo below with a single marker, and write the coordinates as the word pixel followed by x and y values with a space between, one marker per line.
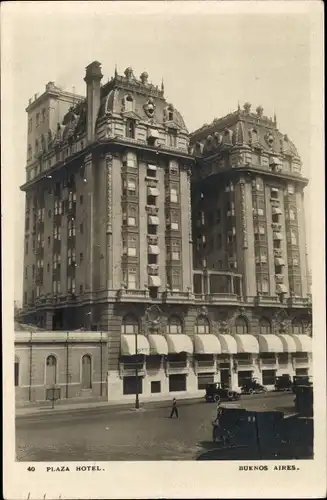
pixel 269 138
pixel 109 159
pixel 153 315
pixel 203 311
pixel 243 213
pixel 149 107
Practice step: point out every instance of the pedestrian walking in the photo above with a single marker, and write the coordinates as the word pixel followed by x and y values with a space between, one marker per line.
pixel 174 409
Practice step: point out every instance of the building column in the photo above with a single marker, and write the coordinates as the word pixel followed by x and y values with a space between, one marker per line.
pixel 231 285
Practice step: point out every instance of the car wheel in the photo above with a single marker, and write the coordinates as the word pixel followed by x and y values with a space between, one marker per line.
pixel 217 398
pixel 230 394
pixel 251 391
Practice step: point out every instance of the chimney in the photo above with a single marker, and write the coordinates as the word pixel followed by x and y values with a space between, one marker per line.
pixel 92 78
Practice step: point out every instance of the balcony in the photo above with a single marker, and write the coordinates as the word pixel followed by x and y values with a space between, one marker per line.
pixel 177 367
pixel 151 182
pixel 153 270
pixel 171 296
pixel 278 252
pixel 151 210
pixel 299 301
pixel 152 239
pixel 218 298
pixel 128 295
pixel 265 300
pixel 129 369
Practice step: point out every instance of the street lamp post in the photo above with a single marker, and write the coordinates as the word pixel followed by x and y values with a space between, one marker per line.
pixel 137 402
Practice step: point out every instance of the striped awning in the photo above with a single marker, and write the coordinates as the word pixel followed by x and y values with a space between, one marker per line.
pixel 128 345
pixel 154 220
pixel 303 343
pixel 154 281
pixel 228 344
pixel 270 343
pixel 206 344
pixel 247 344
pixel 276 211
pixel 178 343
pixel 288 342
pixel 158 344
pixel 153 250
pixel 153 191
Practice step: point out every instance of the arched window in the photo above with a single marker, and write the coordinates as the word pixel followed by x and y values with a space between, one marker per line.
pixel 29 152
pixel 128 103
pixel 130 129
pixel 265 326
pixel 241 326
pixel 297 326
pixel 86 372
pixel 202 325
pixel 130 324
pixel 174 325
pixel 16 372
pixel 51 370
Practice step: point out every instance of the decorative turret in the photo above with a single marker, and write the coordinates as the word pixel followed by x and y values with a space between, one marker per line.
pixel 92 78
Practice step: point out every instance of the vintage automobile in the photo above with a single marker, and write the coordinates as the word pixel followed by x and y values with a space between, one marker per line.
pixel 303 380
pixel 252 386
pixel 283 383
pixel 217 392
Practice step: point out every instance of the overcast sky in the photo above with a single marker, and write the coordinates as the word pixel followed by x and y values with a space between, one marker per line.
pixel 210 58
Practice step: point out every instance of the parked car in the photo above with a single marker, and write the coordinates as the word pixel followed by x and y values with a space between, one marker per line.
pixel 252 386
pixel 283 383
pixel 303 380
pixel 217 392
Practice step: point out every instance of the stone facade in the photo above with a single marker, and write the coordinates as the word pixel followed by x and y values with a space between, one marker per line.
pixel 127 214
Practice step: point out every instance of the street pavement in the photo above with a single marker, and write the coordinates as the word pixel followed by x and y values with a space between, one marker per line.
pixel 123 433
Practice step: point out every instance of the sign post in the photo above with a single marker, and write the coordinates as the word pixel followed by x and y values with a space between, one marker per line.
pixel 53 394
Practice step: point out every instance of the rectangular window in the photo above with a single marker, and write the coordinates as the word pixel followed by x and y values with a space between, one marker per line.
pixel 290 189
pixel 173 195
pixel 30 124
pixel 71 284
pixel 16 374
pixel 155 386
pixel 43 115
pixel 81 257
pixel 131 160
pixel 173 167
pixel 131 279
pixel 81 228
pixel 151 171
pixel 71 257
pixel 268 377
pixel 172 138
pixel 37 119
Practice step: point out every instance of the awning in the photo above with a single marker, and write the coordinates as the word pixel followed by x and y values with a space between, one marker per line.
pixel 154 220
pixel 276 211
pixel 152 167
pixel 247 344
pixel 279 261
pixel 288 342
pixel 158 344
pixel 206 344
pixel 153 133
pixel 270 343
pixel 153 191
pixel 178 343
pixel 154 281
pixel 128 345
pixel 303 343
pixel 281 289
pixel 277 236
pixel 228 344
pixel 274 190
pixel 153 250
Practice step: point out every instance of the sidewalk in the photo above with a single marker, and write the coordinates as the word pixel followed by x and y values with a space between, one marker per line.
pixel 44 407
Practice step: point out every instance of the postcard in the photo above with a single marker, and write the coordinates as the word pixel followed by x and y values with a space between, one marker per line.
pixel 163 250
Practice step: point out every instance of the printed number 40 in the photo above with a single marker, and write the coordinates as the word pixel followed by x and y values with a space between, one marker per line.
pixel 31 469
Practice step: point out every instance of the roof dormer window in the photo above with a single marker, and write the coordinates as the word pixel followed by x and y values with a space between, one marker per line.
pixel 128 103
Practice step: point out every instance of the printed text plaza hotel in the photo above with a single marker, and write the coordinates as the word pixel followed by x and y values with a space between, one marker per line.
pixel 182 255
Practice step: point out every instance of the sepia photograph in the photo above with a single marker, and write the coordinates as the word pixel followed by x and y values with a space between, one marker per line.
pixel 162 213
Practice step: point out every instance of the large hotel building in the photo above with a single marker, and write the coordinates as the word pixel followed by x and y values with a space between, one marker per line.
pixel 157 261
